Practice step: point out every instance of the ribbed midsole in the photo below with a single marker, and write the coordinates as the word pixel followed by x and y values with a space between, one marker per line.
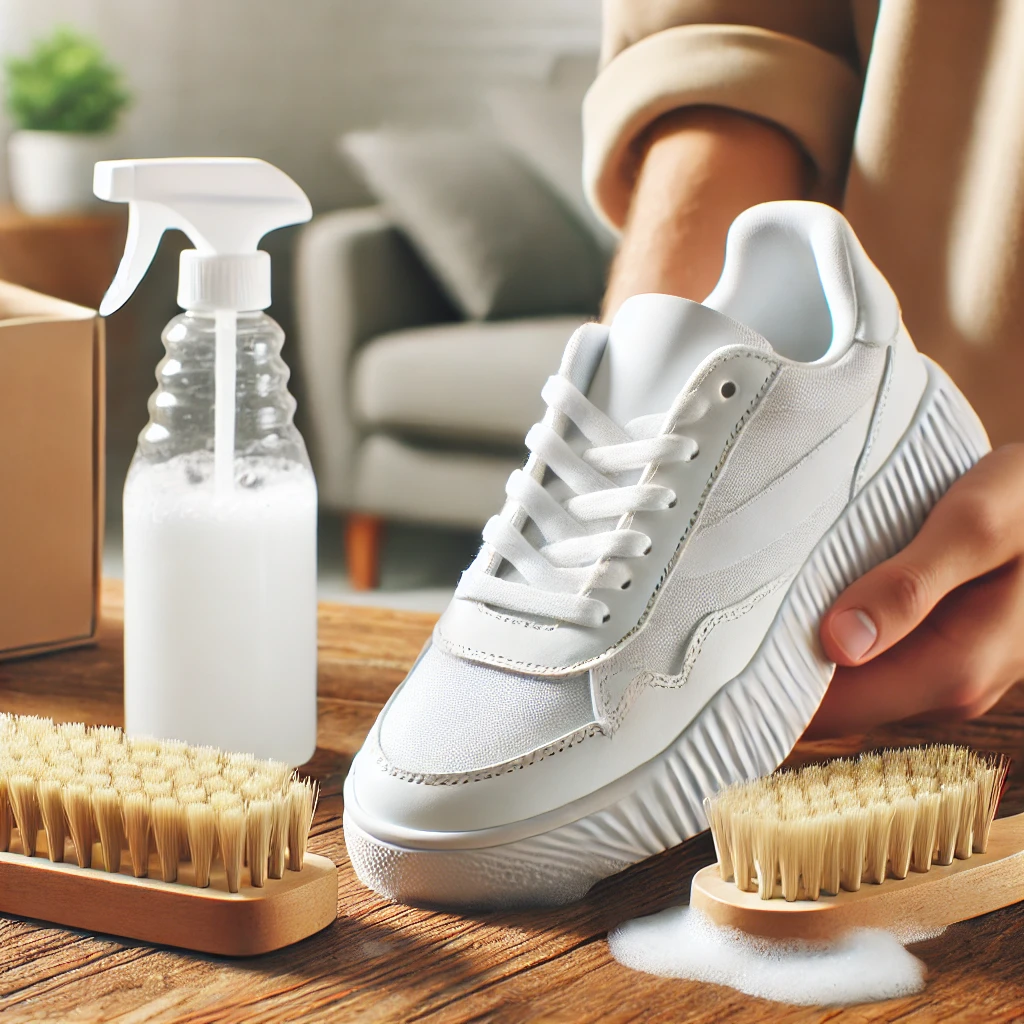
pixel 746 730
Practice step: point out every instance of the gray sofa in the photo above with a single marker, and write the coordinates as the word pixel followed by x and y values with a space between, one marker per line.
pixel 412 413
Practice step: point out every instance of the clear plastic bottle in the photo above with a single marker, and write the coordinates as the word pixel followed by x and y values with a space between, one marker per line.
pixel 220 501
pixel 220 589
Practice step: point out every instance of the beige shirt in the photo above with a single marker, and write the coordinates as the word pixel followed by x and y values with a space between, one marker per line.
pixel 912 111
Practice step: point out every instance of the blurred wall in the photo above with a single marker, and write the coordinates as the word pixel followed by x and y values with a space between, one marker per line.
pixel 280 79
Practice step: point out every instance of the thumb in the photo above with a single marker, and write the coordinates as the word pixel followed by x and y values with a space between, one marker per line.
pixel 890 601
pixel 877 611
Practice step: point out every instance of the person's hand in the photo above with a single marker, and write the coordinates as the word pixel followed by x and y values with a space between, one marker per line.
pixel 937 631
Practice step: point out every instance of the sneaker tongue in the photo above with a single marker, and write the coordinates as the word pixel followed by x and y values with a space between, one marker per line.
pixel 654 345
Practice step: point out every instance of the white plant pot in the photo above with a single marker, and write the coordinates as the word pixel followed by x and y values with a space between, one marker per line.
pixel 51 172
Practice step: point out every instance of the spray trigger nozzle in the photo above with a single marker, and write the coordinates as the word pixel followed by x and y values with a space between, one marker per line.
pixel 225 206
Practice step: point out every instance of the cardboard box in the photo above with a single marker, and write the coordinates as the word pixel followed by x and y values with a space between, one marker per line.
pixel 51 472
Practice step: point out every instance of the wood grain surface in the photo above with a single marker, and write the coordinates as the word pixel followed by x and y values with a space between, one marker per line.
pixel 247 922
pixel 382 962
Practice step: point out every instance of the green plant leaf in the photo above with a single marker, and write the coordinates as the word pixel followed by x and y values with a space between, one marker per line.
pixel 66 84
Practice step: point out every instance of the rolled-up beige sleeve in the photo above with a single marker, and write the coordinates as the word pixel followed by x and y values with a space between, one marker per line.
pixel 791 63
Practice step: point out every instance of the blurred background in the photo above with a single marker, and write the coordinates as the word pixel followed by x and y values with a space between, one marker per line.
pixel 449 258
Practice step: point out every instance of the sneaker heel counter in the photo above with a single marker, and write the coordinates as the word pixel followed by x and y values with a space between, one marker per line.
pixel 899 395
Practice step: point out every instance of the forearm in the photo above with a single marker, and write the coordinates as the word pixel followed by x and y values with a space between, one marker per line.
pixel 700 168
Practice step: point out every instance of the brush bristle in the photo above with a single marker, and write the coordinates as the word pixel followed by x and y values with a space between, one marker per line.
pixel 279 836
pixel 259 822
pixel 26 810
pixel 51 810
pixel 833 826
pixel 302 798
pixel 131 795
pixel 5 816
pixel 135 812
pixel 231 835
pixel 77 799
pixel 106 809
pixel 202 835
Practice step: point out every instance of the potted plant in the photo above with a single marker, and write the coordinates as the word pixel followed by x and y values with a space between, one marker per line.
pixel 65 99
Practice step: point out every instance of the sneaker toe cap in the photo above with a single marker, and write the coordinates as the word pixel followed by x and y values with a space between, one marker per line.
pixel 453 722
pixel 452 717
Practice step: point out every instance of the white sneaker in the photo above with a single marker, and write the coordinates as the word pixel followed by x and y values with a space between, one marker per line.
pixel 640 627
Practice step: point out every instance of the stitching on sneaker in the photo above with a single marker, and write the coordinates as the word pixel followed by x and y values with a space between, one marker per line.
pixel 884 389
pixel 969 435
pixel 473 654
pixel 567 742
pixel 513 620
pixel 693 649
pixel 577 737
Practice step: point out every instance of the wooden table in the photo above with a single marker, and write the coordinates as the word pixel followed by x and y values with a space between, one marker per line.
pixel 381 962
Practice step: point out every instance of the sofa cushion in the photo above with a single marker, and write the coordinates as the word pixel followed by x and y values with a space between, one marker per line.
pixel 500 242
pixel 400 479
pixel 478 383
pixel 544 129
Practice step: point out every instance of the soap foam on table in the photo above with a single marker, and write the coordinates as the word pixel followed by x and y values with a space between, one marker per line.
pixel 863 966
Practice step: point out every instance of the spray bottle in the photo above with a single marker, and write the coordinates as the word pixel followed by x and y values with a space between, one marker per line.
pixel 220 503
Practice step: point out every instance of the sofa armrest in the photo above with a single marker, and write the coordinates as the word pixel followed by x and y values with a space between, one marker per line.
pixel 355 277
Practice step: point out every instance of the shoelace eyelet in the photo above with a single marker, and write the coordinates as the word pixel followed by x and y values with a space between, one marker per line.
pixel 696 452
pixel 626 585
pixel 594 477
pixel 728 389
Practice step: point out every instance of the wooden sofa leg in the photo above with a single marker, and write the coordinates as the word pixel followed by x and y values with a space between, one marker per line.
pixel 362 549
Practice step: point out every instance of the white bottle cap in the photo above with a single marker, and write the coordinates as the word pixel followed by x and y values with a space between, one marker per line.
pixel 225 205
pixel 206 283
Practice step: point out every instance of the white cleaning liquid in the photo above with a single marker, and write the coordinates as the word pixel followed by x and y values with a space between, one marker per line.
pixel 220 605
pixel 863 966
pixel 220 501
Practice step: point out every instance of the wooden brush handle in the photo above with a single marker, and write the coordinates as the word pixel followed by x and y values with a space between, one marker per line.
pixel 919 903
pixel 210 920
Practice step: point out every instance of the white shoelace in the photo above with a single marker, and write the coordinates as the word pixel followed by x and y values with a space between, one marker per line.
pixel 572 561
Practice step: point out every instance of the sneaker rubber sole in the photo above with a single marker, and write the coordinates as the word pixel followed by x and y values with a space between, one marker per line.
pixel 746 730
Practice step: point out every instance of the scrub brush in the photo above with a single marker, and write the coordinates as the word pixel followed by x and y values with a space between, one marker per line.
pixel 902 840
pixel 157 840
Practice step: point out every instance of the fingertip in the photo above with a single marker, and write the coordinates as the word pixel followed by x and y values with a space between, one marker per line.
pixel 849 635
